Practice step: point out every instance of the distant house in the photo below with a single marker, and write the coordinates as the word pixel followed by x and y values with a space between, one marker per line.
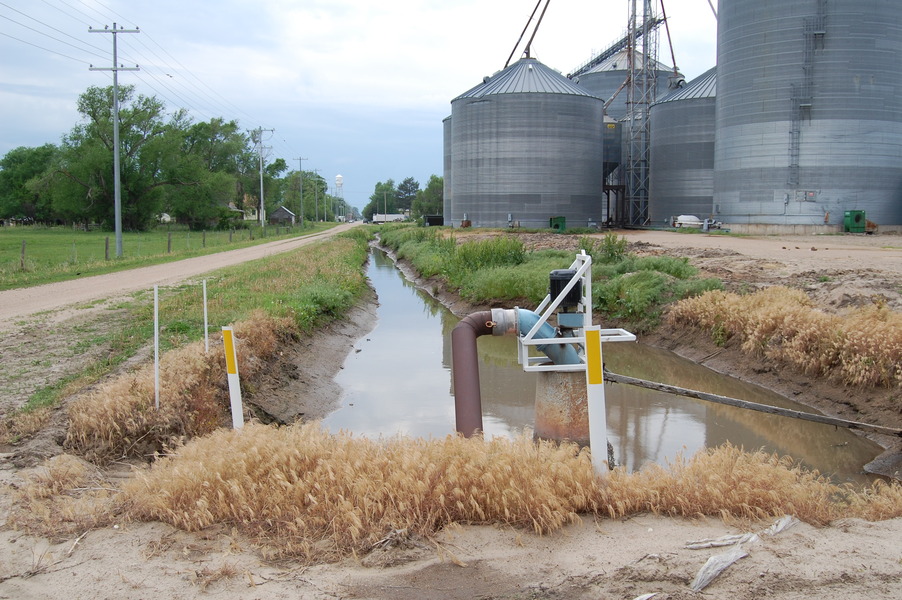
pixel 281 216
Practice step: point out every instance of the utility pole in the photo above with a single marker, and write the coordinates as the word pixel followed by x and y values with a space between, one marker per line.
pixel 339 182
pixel 316 194
pixel 257 136
pixel 117 188
pixel 301 179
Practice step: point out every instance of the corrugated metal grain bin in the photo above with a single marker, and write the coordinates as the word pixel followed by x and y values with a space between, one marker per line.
pixel 809 111
pixel 681 151
pixel 526 145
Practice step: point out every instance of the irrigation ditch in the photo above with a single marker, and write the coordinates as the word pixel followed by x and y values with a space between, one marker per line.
pixel 830 411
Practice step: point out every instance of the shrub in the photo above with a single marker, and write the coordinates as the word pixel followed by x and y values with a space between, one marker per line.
pixel 483 254
pixel 609 250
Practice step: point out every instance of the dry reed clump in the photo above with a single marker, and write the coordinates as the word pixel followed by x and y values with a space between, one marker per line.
pixel 731 483
pixel 303 492
pixel 861 348
pixel 64 496
pixel 307 493
pixel 119 419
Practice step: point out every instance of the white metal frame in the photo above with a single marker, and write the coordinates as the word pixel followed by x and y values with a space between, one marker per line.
pixel 583 267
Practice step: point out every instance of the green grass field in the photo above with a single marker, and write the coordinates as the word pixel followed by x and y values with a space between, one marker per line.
pixel 60 253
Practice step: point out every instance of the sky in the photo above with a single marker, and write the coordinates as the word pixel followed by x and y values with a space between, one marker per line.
pixel 353 87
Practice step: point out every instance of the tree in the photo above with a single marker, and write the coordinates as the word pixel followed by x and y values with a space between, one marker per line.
pixel 19 171
pixel 430 201
pixel 383 200
pixel 216 158
pixel 407 193
pixel 82 181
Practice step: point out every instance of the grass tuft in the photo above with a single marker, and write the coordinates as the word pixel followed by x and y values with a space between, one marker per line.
pixel 65 496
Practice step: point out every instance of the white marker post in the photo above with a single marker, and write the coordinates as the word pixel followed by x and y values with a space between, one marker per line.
pixel 206 329
pixel 598 422
pixel 156 347
pixel 231 355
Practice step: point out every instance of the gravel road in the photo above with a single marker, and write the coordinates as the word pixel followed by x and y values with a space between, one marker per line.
pixel 19 304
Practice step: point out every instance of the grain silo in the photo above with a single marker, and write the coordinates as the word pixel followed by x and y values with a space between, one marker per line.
pixel 526 147
pixel 809 112
pixel 609 78
pixel 447 192
pixel 681 152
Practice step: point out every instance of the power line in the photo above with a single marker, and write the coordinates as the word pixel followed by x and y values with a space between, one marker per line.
pixel 85 23
pixel 50 27
pixel 44 49
pixel 161 72
pixel 47 35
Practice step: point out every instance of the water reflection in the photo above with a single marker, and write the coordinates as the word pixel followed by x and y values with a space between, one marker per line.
pixel 397 380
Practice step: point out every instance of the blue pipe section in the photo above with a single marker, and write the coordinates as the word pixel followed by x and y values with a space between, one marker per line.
pixel 560 354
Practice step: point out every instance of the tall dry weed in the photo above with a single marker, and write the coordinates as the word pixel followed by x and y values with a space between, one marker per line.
pixel 119 418
pixel 64 496
pixel 861 348
pixel 303 492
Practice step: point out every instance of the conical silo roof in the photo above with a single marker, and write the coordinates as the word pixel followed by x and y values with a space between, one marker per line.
pixel 703 86
pixel 527 75
pixel 621 62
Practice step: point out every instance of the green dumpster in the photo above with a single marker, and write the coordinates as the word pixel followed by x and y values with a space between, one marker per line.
pixel 560 223
pixel 854 221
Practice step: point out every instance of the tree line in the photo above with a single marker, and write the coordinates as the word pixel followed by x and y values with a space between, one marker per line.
pixel 202 174
pixel 406 198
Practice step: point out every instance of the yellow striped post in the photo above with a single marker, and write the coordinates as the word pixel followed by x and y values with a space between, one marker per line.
pixel 598 424
pixel 231 356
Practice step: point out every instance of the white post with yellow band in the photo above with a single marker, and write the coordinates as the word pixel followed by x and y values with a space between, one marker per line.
pixel 598 422
pixel 231 356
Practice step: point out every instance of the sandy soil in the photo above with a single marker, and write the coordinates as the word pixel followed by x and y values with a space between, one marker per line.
pixel 603 559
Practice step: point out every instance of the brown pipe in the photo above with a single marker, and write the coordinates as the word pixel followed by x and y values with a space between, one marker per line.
pixel 465 371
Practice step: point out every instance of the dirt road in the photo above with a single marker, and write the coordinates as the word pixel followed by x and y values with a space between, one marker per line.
pixel 21 303
pixel 789 254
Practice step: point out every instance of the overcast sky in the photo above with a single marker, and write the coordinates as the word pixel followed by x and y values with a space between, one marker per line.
pixel 356 87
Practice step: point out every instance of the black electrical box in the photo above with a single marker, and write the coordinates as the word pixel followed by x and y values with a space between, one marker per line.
pixel 558 281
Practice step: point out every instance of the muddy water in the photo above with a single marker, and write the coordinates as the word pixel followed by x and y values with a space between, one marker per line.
pixel 397 380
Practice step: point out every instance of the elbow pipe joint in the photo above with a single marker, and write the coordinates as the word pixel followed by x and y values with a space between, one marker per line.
pixel 465 361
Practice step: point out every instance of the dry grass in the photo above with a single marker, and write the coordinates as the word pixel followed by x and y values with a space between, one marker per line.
pixel 23 424
pixel 65 496
pixel 118 418
pixel 862 348
pixel 303 492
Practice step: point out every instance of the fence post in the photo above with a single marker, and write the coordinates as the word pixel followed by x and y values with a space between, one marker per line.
pixel 106 250
pixel 22 258
pixel 203 242
pixel 169 243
